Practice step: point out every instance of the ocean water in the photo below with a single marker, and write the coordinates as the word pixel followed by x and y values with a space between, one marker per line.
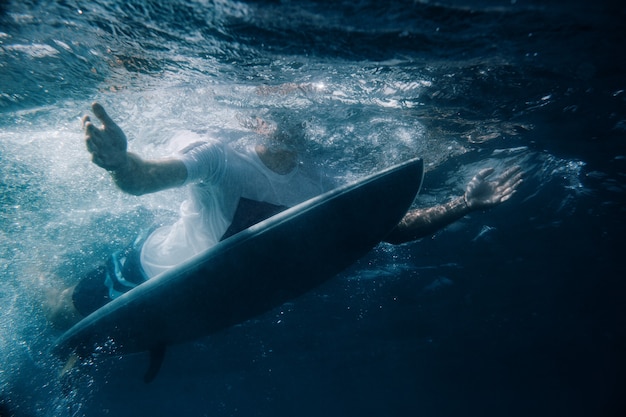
pixel 514 312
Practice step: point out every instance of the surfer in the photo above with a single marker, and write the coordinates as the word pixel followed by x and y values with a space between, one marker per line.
pixel 229 191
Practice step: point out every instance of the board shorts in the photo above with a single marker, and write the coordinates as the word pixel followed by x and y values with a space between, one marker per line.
pixel 122 270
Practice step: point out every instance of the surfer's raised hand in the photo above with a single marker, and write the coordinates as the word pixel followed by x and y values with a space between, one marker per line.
pixel 482 194
pixel 131 173
pixel 107 144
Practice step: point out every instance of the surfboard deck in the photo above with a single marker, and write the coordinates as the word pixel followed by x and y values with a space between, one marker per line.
pixel 253 271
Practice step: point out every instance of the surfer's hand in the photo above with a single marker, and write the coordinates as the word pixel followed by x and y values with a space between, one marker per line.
pixel 107 144
pixel 482 194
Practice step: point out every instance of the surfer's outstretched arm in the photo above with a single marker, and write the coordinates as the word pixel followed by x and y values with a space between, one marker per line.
pixel 131 173
pixel 480 194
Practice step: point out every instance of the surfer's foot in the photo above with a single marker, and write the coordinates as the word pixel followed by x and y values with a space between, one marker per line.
pixel 60 310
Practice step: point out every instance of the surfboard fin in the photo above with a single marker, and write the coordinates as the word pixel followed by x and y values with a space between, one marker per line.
pixel 157 355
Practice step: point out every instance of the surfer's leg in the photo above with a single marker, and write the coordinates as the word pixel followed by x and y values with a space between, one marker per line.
pixel 120 273
pixel 66 307
pixel 60 310
pixel 91 293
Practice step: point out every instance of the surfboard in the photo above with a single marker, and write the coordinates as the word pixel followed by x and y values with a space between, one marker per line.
pixel 251 272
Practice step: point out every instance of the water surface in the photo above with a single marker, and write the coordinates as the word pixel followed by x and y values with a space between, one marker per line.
pixel 518 311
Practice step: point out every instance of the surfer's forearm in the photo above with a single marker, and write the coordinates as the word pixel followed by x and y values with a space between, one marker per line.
pixel 424 222
pixel 138 176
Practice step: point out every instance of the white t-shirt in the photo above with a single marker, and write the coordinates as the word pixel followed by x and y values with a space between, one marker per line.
pixel 218 177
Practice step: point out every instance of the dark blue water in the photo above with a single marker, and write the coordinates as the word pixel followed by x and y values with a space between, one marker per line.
pixel 519 311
